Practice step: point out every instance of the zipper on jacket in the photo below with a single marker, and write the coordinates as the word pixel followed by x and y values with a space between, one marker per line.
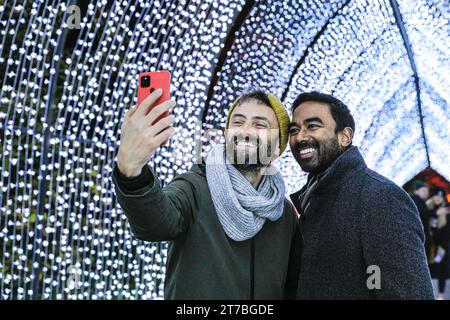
pixel 252 269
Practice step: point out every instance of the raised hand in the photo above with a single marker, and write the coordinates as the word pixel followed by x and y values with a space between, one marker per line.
pixel 142 134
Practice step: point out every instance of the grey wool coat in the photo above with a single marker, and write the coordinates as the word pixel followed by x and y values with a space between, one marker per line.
pixel 357 219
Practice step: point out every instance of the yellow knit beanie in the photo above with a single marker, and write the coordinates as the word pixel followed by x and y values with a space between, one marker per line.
pixel 281 114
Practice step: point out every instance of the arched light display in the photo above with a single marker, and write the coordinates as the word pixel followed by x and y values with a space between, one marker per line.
pixel 62 233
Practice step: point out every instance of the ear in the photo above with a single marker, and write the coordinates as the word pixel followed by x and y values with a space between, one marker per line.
pixel 274 139
pixel 277 152
pixel 345 137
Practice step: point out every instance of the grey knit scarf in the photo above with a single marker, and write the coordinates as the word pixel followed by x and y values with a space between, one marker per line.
pixel 241 208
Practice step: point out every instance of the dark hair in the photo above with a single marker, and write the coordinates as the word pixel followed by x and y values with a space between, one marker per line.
pixel 439 191
pixel 259 95
pixel 339 111
pixel 419 184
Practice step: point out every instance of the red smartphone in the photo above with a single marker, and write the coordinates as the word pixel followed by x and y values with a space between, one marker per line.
pixel 149 82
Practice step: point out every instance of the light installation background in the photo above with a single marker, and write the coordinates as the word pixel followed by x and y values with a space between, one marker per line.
pixel 63 95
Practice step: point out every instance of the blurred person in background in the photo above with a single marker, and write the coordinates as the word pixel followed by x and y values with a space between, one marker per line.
pixel 420 196
pixel 440 233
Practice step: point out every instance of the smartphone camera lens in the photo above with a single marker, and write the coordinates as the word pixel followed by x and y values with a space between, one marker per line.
pixel 145 82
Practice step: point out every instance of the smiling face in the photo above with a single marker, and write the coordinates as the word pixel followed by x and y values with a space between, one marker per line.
pixel 252 136
pixel 313 138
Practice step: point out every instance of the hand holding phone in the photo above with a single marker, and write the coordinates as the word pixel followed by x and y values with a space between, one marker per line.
pixel 151 81
pixel 145 128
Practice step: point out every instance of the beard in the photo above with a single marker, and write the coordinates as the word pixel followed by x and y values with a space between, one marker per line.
pixel 316 156
pixel 248 153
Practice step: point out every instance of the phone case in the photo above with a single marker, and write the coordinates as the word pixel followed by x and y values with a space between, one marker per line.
pixel 157 80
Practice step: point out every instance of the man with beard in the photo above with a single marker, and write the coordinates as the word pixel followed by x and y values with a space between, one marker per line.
pixel 229 224
pixel 362 235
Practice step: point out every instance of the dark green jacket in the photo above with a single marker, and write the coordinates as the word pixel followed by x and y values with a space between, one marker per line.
pixel 203 263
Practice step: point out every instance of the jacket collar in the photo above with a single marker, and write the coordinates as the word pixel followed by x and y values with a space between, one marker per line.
pixel 342 169
pixel 199 168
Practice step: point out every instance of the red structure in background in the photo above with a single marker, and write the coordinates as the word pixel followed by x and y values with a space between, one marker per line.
pixel 432 178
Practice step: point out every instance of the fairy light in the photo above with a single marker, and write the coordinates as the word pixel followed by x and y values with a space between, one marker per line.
pixel 85 234
pixel 360 58
pixel 82 243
